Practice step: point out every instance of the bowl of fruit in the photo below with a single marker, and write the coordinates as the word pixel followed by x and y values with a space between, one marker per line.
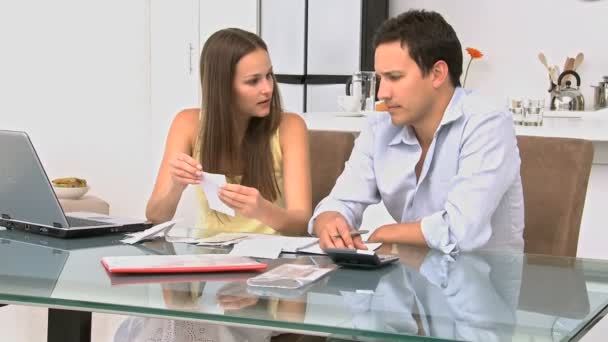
pixel 70 187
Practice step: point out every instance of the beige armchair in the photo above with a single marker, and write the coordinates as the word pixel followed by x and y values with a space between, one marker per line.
pixel 329 152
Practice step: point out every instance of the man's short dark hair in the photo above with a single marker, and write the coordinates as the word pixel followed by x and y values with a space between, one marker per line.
pixel 428 37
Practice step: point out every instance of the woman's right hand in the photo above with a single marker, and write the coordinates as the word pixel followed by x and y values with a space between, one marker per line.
pixel 185 170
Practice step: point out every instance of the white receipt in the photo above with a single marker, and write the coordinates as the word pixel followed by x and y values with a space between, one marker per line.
pixel 211 184
pixel 150 233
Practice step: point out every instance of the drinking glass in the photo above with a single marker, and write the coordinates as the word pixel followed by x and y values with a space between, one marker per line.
pixel 517 110
pixel 533 112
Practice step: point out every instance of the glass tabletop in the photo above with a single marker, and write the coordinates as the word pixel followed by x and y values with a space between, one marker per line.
pixel 482 296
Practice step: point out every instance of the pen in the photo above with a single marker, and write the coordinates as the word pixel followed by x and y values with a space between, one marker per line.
pixel 354 233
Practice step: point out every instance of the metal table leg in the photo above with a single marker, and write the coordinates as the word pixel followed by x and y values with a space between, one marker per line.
pixel 69 326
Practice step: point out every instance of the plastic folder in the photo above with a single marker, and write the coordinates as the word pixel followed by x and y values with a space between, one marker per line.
pixel 180 263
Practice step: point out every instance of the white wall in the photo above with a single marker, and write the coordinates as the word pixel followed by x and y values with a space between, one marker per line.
pixel 74 75
pixel 512 33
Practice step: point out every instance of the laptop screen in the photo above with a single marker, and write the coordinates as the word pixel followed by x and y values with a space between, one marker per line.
pixel 41 274
pixel 25 191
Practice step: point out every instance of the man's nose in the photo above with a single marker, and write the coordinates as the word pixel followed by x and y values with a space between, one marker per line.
pixel 383 91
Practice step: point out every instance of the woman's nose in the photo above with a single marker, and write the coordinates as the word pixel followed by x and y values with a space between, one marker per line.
pixel 267 86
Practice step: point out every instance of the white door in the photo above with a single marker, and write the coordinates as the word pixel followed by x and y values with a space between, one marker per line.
pixel 174 50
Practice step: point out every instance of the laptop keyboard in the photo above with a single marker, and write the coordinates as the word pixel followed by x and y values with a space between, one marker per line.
pixel 80 222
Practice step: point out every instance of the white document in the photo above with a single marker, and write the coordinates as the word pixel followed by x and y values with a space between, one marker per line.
pixel 269 248
pixel 211 184
pixel 316 248
pixel 150 233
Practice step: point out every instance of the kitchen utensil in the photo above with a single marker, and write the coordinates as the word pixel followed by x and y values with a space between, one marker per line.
pixel 568 65
pixel 578 60
pixel 600 94
pixel 554 74
pixel 566 97
pixel 543 59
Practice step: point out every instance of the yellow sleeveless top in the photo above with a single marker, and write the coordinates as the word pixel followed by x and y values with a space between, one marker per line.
pixel 211 222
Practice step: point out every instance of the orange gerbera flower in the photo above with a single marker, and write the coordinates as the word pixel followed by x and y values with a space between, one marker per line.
pixel 474 54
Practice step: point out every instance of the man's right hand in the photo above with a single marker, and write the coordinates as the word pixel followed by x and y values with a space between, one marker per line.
pixel 334 232
pixel 185 170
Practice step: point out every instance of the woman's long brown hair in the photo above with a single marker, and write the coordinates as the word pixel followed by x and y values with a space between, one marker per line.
pixel 220 151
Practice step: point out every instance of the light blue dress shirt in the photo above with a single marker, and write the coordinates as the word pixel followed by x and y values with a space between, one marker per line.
pixel 469 195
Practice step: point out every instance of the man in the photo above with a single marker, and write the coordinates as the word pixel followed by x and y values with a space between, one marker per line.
pixel 445 163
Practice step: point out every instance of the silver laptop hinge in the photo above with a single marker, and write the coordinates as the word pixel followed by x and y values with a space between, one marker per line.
pixel 57 225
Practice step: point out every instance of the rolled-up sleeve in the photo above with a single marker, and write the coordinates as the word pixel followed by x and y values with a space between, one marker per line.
pixel 356 187
pixel 487 166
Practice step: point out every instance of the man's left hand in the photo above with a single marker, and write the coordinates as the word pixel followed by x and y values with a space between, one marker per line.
pixel 377 235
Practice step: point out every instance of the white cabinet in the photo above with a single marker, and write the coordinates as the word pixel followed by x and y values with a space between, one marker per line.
pixel 334 37
pixel 315 45
pixel 178 30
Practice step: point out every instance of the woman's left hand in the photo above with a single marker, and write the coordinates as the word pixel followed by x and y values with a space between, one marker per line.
pixel 244 200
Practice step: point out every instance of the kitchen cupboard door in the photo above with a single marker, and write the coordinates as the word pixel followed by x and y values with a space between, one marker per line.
pixel 174 80
pixel 324 97
pixel 283 27
pixel 292 96
pixel 217 15
pixel 334 37
pixel 174 49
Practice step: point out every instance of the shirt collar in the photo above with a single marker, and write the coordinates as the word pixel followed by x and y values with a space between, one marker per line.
pixel 452 113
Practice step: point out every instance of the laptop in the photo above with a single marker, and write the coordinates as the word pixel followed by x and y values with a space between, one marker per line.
pixel 28 201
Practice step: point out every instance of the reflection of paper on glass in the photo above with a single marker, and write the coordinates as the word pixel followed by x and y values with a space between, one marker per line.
pixel 211 184
pixel 223 239
pixel 150 233
pixel 288 276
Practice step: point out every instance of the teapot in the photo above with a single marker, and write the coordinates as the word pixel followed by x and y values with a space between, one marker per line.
pixel 565 97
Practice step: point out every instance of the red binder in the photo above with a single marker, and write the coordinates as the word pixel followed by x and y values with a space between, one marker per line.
pixel 180 263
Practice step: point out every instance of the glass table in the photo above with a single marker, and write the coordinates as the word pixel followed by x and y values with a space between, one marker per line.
pixel 481 296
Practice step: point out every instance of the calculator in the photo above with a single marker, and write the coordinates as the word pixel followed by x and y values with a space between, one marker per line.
pixel 359 258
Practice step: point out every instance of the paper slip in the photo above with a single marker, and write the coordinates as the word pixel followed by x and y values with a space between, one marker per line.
pixel 150 233
pixel 269 248
pixel 223 239
pixel 295 244
pixel 211 184
pixel 180 239
pixel 316 248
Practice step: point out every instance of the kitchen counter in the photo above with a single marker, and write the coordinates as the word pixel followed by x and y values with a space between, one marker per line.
pixel 590 125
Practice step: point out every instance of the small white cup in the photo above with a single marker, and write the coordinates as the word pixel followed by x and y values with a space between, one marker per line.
pixel 349 103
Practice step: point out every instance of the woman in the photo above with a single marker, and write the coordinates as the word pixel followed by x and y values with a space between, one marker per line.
pixel 241 132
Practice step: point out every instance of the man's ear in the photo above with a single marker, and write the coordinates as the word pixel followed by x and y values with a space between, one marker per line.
pixel 440 73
